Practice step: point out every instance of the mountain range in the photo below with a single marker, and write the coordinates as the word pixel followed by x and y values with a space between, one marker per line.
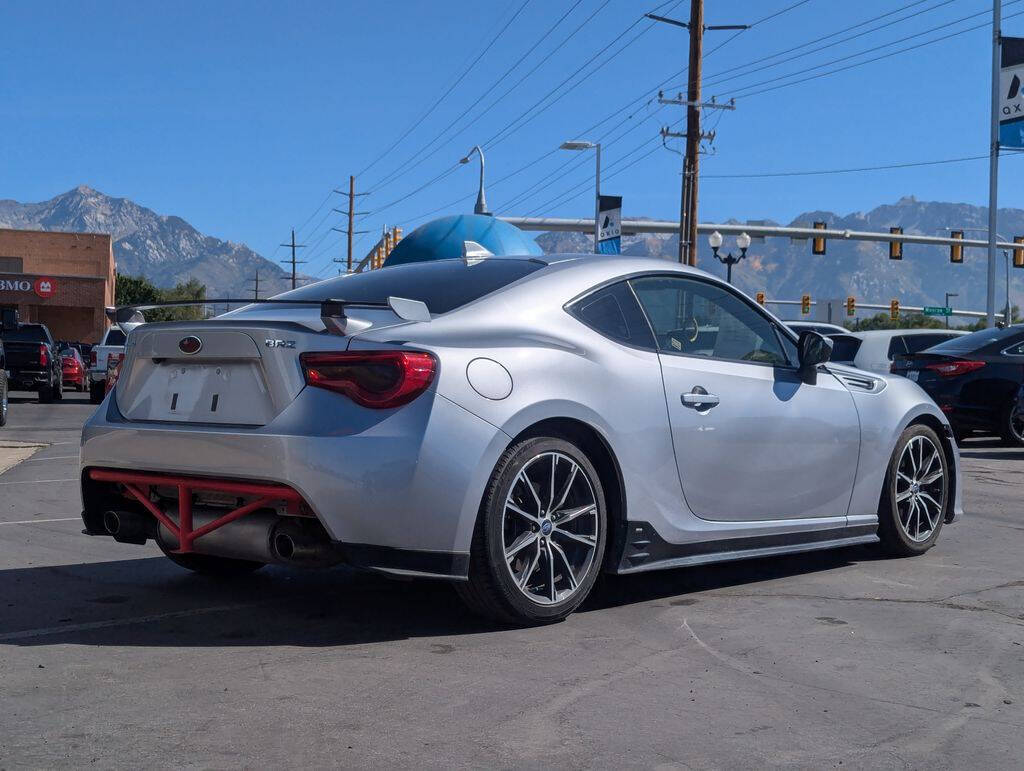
pixel 166 249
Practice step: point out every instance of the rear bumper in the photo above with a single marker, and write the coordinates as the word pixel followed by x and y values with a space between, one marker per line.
pixel 399 489
pixel 29 379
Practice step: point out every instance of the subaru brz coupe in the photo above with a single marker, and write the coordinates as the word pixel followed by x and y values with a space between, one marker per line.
pixel 513 425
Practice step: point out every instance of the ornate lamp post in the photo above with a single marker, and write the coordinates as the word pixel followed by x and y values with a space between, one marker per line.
pixel 742 241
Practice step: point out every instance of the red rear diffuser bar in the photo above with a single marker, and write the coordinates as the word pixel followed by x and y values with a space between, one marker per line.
pixel 138 485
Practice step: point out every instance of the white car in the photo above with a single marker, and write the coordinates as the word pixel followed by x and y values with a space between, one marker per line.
pixel 100 359
pixel 874 350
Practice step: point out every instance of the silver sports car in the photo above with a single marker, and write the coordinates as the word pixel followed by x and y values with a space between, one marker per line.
pixel 514 425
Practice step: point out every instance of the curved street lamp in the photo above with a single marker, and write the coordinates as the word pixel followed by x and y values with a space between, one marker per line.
pixel 715 241
pixel 481 201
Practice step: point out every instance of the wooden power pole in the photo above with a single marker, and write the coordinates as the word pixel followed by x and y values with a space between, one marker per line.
pixel 256 286
pixel 691 159
pixel 293 261
pixel 350 231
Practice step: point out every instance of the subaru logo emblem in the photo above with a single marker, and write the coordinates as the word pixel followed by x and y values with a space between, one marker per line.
pixel 545 527
pixel 190 344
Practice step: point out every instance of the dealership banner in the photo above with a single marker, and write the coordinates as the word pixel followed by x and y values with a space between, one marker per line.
pixel 1011 87
pixel 609 219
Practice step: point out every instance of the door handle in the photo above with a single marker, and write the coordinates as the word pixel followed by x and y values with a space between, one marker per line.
pixel 700 398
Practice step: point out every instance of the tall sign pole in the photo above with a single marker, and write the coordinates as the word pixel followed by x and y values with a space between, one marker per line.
pixel 993 169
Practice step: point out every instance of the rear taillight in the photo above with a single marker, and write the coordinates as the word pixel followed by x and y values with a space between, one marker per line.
pixel 92 358
pixel 114 362
pixel 955 367
pixel 377 379
pixel 44 356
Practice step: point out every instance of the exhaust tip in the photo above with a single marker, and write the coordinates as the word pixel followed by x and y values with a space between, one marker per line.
pixel 284 545
pixel 111 522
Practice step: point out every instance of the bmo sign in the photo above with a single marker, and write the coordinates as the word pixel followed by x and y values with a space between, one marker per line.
pixel 42 287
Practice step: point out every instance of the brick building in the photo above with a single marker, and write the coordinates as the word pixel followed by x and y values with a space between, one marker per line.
pixel 63 280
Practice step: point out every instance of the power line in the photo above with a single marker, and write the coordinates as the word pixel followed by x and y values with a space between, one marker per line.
pixel 450 88
pixel 404 166
pixel 756 88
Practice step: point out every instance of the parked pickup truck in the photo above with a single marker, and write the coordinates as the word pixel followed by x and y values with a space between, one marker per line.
pixel 33 362
pixel 101 356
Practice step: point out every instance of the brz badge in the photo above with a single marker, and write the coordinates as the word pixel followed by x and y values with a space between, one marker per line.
pixel 279 343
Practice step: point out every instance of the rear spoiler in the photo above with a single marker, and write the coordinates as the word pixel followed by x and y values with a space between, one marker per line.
pixel 332 312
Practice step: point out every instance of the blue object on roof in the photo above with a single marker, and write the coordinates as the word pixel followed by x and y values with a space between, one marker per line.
pixel 442 239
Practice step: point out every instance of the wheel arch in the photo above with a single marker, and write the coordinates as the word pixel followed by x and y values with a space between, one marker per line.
pixel 597 448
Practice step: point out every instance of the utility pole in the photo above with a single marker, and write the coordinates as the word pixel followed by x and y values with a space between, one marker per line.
pixel 350 231
pixel 993 169
pixel 293 261
pixel 256 287
pixel 691 160
pixel 948 295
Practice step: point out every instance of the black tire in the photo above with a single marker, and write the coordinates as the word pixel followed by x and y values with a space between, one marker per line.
pixel 1012 425
pixel 96 392
pixel 4 399
pixel 46 394
pixel 224 567
pixel 492 591
pixel 897 538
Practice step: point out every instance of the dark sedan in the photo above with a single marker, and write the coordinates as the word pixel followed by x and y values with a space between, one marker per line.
pixel 976 380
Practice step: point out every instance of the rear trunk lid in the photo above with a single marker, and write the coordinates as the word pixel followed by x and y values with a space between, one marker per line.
pixel 22 355
pixel 915 366
pixel 243 371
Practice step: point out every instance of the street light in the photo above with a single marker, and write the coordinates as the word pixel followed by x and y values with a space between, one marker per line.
pixel 579 144
pixel 481 202
pixel 742 241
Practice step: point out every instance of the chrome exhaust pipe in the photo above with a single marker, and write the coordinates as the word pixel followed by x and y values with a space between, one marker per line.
pixel 126 526
pixel 304 544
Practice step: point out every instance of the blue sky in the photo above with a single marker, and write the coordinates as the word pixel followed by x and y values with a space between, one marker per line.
pixel 241 116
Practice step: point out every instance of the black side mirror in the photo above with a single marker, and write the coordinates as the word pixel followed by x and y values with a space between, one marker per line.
pixel 813 349
pixel 8 319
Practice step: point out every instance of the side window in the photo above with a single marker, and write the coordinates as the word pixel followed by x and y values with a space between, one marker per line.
pixel 1015 350
pixel 614 313
pixel 897 345
pixel 702 319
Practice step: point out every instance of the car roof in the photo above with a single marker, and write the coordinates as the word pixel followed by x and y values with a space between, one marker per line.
pixel 886 333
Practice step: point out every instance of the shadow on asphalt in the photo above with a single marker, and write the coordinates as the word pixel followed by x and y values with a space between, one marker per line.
pixel 30 397
pixel 278 606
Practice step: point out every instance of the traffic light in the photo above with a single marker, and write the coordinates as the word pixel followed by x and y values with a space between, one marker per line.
pixel 1018 253
pixel 818 242
pixel 896 247
pixel 805 304
pixel 956 251
pixel 760 299
pixel 894 309
pixel 851 306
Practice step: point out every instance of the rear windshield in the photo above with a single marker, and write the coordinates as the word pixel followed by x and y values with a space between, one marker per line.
pixel 978 340
pixel 443 285
pixel 844 348
pixel 114 337
pixel 30 333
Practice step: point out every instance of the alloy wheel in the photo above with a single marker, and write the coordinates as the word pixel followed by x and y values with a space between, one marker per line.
pixel 550 528
pixel 1016 423
pixel 920 488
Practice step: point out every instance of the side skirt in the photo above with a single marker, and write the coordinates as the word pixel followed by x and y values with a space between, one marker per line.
pixel 646 550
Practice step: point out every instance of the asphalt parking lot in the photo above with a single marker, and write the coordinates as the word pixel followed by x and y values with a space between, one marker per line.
pixel 113 657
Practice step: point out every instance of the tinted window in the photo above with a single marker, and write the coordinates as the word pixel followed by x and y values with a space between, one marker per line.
pixel 115 337
pixel 844 348
pixel 896 346
pixel 702 319
pixel 916 343
pixel 443 285
pixel 977 340
pixel 614 313
pixel 29 333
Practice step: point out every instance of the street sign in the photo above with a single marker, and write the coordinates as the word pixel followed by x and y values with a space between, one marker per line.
pixel 937 310
pixel 609 217
pixel 1011 80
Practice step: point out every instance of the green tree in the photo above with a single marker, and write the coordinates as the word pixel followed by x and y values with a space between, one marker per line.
pixel 139 290
pixel 905 321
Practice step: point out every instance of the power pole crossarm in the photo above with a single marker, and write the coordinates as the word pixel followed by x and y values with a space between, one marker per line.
pixel 293 261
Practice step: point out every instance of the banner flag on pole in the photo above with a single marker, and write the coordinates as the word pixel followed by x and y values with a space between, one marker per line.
pixel 1011 88
pixel 609 231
